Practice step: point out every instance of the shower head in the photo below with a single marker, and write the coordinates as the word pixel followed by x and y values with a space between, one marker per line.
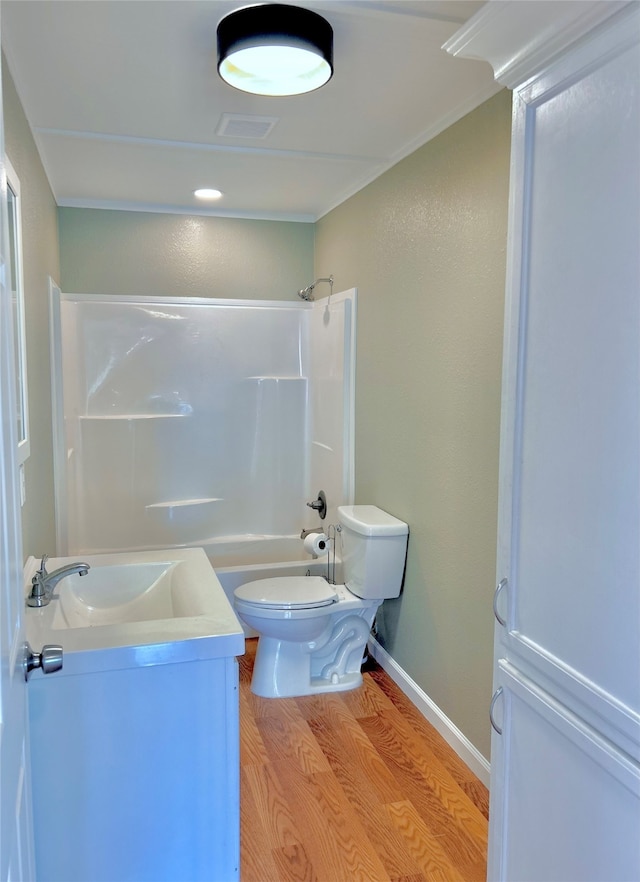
pixel 307 293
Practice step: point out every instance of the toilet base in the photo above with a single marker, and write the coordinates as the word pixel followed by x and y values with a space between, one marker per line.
pixel 315 686
pixel 285 669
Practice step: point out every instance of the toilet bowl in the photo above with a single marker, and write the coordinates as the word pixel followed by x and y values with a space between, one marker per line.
pixel 312 634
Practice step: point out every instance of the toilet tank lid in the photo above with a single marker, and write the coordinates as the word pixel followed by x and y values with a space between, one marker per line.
pixel 369 520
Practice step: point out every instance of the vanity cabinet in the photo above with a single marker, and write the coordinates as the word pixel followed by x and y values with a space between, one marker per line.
pixel 135 742
pixel 136 773
pixel 565 759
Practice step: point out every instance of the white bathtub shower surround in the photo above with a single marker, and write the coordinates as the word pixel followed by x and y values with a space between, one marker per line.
pixel 134 743
pixel 331 412
pixel 200 422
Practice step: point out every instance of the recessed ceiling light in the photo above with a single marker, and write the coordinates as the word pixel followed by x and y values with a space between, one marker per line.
pixel 207 193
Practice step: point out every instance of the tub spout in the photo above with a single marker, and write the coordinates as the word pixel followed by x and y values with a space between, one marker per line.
pixel 305 533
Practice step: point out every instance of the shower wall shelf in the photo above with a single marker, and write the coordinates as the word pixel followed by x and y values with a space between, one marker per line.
pixel 276 378
pixel 183 504
pixel 132 416
pixel 326 447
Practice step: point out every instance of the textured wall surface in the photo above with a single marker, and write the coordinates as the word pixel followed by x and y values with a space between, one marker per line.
pixel 425 246
pixel 120 252
pixel 40 260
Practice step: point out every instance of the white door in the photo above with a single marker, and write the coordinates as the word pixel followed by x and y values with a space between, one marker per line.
pixel 16 838
pixel 565 786
pixel 568 807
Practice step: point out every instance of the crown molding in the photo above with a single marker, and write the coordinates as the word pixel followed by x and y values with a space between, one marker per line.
pixel 187 210
pixel 520 37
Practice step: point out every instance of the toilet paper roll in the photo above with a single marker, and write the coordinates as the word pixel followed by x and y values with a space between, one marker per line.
pixel 316 544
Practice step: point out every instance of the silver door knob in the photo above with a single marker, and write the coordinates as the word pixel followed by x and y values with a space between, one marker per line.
pixel 49 660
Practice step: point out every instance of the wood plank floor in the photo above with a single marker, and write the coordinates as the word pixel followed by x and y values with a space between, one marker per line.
pixel 354 787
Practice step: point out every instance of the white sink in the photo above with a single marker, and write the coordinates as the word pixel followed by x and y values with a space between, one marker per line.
pixel 111 595
pixel 148 607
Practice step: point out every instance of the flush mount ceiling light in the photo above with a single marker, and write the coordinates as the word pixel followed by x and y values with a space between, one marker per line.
pixel 273 49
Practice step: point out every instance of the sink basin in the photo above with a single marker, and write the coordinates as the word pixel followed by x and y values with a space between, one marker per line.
pixel 135 608
pixel 110 595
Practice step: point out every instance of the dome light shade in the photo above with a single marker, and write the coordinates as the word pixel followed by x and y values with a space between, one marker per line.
pixel 273 49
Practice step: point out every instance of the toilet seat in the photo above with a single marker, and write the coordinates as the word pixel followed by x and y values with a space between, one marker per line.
pixel 288 593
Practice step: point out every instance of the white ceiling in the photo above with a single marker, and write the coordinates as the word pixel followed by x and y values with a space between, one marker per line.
pixel 124 101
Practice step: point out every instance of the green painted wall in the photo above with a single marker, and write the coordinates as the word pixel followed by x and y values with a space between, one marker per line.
pixel 126 252
pixel 425 245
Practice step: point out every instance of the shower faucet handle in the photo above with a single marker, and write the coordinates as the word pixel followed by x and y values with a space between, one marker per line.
pixel 319 505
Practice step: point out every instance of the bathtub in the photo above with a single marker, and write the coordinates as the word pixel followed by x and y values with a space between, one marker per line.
pixel 253 549
pixel 232 577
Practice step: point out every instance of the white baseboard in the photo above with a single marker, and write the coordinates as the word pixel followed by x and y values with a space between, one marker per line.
pixel 432 713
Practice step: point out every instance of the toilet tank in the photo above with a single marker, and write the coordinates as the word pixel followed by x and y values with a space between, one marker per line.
pixel 374 551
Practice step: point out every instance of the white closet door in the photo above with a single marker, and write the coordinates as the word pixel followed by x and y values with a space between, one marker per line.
pixel 565 777
pixel 16 833
pixel 570 508
pixel 566 786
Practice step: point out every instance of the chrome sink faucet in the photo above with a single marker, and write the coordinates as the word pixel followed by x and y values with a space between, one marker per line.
pixel 43 583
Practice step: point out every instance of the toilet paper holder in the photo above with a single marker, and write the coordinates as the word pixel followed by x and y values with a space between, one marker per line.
pixel 316 544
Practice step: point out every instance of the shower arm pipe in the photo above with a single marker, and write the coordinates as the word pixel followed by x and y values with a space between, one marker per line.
pixel 307 293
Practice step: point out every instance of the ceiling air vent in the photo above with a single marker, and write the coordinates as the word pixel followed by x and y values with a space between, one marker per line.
pixel 232 125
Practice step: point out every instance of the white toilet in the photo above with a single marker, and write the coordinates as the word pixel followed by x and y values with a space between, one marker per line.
pixel 312 633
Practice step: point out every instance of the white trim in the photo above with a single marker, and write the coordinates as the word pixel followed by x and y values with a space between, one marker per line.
pixel 149 208
pixel 20 339
pixel 520 37
pixel 154 299
pixel 57 420
pixel 432 713
pixel 199 146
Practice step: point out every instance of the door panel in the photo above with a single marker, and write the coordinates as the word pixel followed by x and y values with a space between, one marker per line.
pixel 566 785
pixel 565 768
pixel 573 559
pixel 16 838
pixel 16 852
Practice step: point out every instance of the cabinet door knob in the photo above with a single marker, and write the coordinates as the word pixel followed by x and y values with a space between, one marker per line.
pixel 49 660
pixel 499 587
pixel 496 696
